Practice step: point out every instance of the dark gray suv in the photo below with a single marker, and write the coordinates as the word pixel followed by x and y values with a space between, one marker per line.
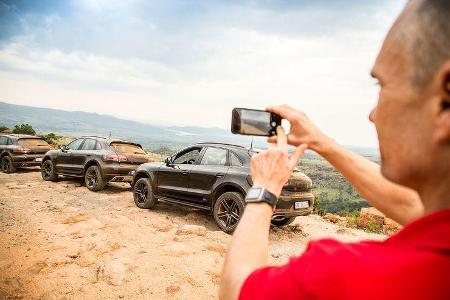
pixel 216 177
pixel 97 160
pixel 20 150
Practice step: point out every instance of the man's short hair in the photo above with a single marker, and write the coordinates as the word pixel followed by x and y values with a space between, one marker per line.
pixel 428 39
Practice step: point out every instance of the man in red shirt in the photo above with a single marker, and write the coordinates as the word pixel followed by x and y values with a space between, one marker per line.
pixel 412 119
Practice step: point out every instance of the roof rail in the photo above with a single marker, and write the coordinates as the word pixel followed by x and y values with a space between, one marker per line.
pixel 225 144
pixel 94 136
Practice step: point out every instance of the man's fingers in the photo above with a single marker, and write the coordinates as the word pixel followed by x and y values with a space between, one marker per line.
pixel 281 137
pixel 295 157
pixel 282 110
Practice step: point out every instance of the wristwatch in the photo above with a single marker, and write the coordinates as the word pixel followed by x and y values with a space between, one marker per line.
pixel 260 194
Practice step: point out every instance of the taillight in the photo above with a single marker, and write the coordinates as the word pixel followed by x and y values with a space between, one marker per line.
pixel 115 158
pixel 22 150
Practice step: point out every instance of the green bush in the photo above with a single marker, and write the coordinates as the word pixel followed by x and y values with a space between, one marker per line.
pixel 3 128
pixel 24 129
pixel 51 138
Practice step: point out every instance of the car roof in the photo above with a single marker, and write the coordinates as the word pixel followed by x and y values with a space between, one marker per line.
pixel 224 145
pixel 21 136
pixel 110 140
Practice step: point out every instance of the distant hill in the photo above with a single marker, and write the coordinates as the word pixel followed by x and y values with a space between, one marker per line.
pixel 76 123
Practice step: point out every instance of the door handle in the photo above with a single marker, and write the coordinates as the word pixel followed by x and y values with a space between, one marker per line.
pixel 185 172
pixel 219 175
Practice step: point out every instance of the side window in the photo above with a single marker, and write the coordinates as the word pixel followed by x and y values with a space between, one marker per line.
pixel 214 157
pixel 3 140
pixel 75 144
pixel 89 144
pixel 9 141
pixel 187 157
pixel 235 161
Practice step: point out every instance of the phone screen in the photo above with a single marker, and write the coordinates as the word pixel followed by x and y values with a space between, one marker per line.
pixel 255 122
pixel 252 122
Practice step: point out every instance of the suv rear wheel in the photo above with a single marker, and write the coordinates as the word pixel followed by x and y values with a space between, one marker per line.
pixel 48 171
pixel 228 210
pixel 93 179
pixel 282 221
pixel 7 165
pixel 143 194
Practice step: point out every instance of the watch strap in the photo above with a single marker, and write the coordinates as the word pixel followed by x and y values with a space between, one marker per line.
pixel 264 196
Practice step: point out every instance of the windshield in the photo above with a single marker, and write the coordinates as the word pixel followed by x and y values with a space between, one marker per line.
pixel 33 143
pixel 123 148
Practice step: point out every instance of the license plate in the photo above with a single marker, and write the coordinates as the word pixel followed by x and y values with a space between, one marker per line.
pixel 301 204
pixel 38 159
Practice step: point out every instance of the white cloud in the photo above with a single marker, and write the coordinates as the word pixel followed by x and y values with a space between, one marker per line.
pixel 324 75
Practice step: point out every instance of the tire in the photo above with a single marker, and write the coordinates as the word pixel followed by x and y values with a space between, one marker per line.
pixel 282 222
pixel 143 194
pixel 7 165
pixel 48 171
pixel 228 210
pixel 93 179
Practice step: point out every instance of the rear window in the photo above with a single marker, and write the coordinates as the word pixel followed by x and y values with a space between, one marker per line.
pixel 33 143
pixel 127 148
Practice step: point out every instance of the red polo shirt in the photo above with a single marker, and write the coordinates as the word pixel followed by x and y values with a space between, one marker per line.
pixel 412 264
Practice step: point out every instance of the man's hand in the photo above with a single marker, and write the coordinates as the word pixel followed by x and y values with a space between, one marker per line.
pixel 397 202
pixel 303 130
pixel 272 168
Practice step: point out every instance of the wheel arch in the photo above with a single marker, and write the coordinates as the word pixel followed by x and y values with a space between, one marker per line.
pixel 3 154
pixel 47 157
pixel 91 163
pixel 224 188
pixel 143 174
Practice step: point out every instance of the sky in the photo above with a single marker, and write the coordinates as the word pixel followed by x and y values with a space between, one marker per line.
pixel 190 62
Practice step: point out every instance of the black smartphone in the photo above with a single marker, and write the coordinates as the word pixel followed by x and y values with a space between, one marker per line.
pixel 254 122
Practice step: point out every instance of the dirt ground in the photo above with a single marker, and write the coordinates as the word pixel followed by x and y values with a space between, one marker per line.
pixel 61 241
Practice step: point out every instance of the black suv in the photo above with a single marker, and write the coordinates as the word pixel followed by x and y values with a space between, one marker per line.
pixel 216 177
pixel 96 159
pixel 20 150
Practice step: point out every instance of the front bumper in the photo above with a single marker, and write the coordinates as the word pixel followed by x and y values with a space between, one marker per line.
pixel 119 172
pixel 286 204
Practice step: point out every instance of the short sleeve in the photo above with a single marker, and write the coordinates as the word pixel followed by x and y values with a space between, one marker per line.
pixel 316 274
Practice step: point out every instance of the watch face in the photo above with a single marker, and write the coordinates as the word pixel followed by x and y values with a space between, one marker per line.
pixel 253 193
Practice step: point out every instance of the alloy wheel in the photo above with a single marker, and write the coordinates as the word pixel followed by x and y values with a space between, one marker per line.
pixel 46 169
pixel 91 178
pixel 5 165
pixel 141 191
pixel 228 213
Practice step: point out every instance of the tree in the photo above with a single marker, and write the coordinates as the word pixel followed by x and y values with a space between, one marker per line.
pixel 3 128
pixel 51 138
pixel 24 129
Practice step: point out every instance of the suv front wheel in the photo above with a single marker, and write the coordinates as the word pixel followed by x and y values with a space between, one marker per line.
pixel 48 171
pixel 143 194
pixel 93 179
pixel 228 210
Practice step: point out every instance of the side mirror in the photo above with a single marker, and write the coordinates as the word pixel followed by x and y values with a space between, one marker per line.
pixel 168 161
pixel 63 148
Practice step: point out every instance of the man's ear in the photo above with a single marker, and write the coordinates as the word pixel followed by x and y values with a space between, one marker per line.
pixel 443 120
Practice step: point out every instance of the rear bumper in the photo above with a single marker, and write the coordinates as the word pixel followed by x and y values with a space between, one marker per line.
pixel 286 204
pixel 27 160
pixel 119 172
